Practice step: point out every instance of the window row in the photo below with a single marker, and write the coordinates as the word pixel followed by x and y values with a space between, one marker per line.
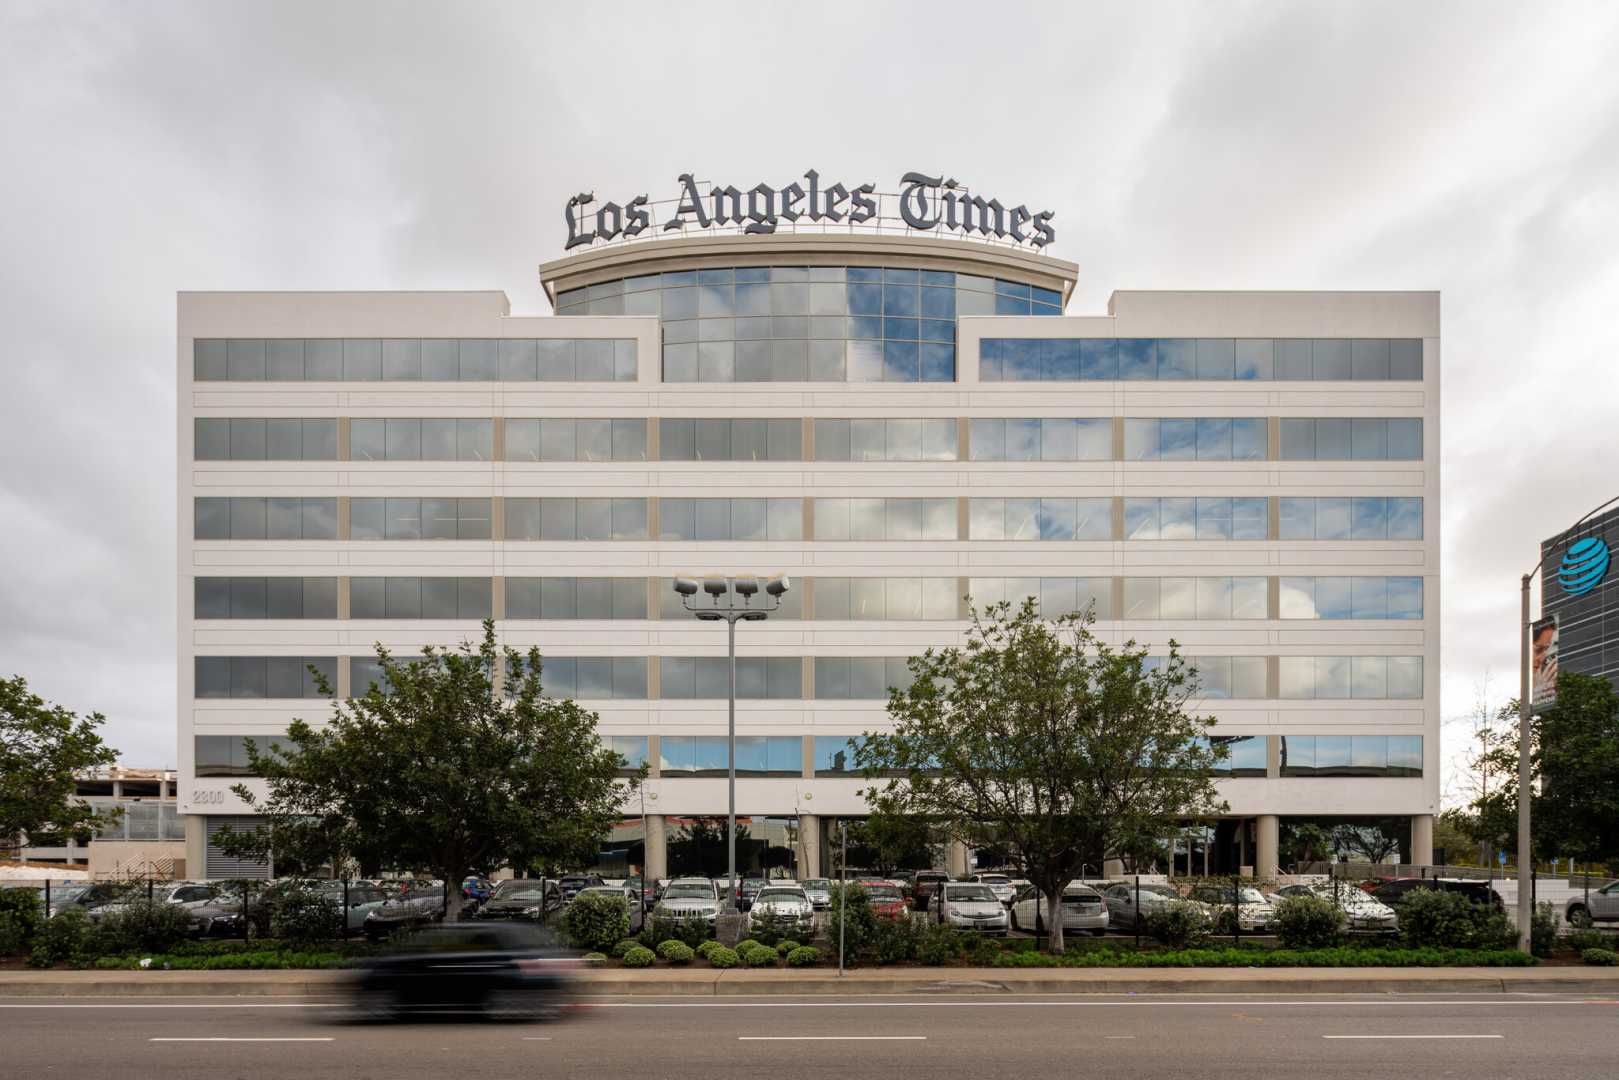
pixel 777 678
pixel 414 360
pixel 242 517
pixel 263 676
pixel 1035 519
pixel 226 755
pixel 576 519
pixel 857 360
pixel 1072 359
pixel 412 439
pixel 1372 438
pixel 1047 439
pixel 730 440
pixel 730 519
pixel 724 290
pixel 709 755
pixel 565 439
pixel 1339 678
pixel 1368 517
pixel 1351 755
pixel 1197 518
pixel 1207 438
pixel 885 519
pixel 886 440
pixel 869 325
pixel 255 439
pixel 836 598
pixel 419 519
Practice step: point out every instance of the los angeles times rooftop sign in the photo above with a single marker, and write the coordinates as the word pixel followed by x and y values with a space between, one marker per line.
pixel 923 203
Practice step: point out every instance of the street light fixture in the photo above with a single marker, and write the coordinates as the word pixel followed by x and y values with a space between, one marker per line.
pixel 733 601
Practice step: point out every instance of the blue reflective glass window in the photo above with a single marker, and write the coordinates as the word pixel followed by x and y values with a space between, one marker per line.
pixel 1213 518
pixel 1250 519
pixel 939 303
pixel 750 755
pixel 1368 598
pixel 900 329
pixel 938 330
pixel 865 299
pixel 1045 296
pixel 901 300
pixel 1405 598
pixel 865 327
pixel 1138 359
pixel 938 362
pixel 1255 358
pixel 1012 288
pixel 1404 755
pixel 1249 439
pixel 1298 755
pixel 1368 518
pixel 1332 752
pixel 1297 518
pixel 1405 518
pixel 901 361
pixel 753 299
pixel 1022 360
pixel 1177 440
pixel 1333 598
pixel 679 277
pixel 991 354
pixel 715 277
pixel 901 277
pixel 1058 519
pixel 939 277
pixel 1333 518
pixel 834 754
pixel 1213 438
pixel 1060 359
pixel 1177 358
pixel 752 274
pixel 1099 358
pixel 1010 305
pixel 1215 358
pixel 1140 519
pixel 1044 309
pixel 864 273
pixel 1405 440
pixel 679 303
pixel 792 274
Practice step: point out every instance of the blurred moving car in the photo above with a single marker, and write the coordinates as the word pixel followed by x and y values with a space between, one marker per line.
pixel 819 890
pixel 924 883
pixel 1254 911
pixel 999 884
pixel 630 897
pixel 1122 900
pixel 505 971
pixel 1602 905
pixel 887 899
pixel 688 897
pixel 967 905
pixel 783 908
pixel 1363 913
pixel 1393 890
pixel 530 899
pixel 1082 909
pixel 414 904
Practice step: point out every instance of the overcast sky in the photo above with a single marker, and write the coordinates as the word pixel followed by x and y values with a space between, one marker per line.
pixel 1471 148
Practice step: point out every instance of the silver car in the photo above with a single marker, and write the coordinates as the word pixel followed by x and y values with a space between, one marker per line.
pixel 819 890
pixel 1602 905
pixel 1082 909
pixel 968 905
pixel 1363 913
pixel 999 884
pixel 1254 911
pixel 784 909
pixel 686 897
pixel 1122 906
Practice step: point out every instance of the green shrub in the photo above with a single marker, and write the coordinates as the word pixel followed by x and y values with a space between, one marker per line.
pixel 1232 957
pixel 597 920
pixel 745 944
pixel 623 947
pixel 594 959
pixel 937 945
pixel 1543 929
pixel 1179 924
pixel 803 956
pixel 785 948
pixel 722 957
pixel 21 912
pixel 896 940
pixel 1431 918
pixel 1308 922
pixel 693 929
pixel 639 957
pixel 1580 940
pixel 305 917
pixel 676 952
pixel 141 926
pixel 757 955
pixel 706 949
pixel 860 924
pixel 61 940
pixel 1600 957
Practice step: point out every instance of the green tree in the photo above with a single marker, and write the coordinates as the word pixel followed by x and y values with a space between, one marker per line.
pixel 43 749
pixel 1371 841
pixel 1576 758
pixel 889 844
pixel 442 772
pixel 1042 738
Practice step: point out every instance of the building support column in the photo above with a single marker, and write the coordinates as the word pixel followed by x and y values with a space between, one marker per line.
pixel 657 849
pixel 1267 840
pixel 1113 869
pixel 1422 839
pixel 1244 864
pixel 809 846
pixel 955 859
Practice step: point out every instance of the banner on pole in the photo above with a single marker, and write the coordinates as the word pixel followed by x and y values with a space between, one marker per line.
pixel 1543 636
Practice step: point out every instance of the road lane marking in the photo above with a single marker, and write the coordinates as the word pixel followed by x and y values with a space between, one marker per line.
pixel 831 1038
pixel 184 1005
pixel 1118 1036
pixel 973 1001
pixel 1413 1036
pixel 536 1038
pixel 264 1038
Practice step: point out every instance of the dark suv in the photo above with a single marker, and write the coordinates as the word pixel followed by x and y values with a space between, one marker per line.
pixel 1392 890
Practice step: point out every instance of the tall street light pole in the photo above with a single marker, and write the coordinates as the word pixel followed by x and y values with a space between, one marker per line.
pixel 733 602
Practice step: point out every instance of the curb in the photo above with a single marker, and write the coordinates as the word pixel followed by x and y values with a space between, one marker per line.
pixel 704 982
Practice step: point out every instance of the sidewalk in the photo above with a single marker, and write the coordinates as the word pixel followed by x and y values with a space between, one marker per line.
pixel 709 982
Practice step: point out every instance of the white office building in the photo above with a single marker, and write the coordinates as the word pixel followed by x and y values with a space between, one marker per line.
pixel 896 420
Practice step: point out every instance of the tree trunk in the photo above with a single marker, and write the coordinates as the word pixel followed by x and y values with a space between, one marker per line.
pixel 453 900
pixel 1054 920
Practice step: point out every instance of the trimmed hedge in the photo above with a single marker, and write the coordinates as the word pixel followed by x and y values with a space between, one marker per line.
pixel 1308 922
pixel 757 955
pixel 723 957
pixel 1600 957
pixel 639 957
pixel 676 952
pixel 624 946
pixel 596 920
pixel 785 948
pixel 1340 957
pixel 803 956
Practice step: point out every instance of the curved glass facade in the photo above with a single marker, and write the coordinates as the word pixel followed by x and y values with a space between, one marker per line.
pixel 809 323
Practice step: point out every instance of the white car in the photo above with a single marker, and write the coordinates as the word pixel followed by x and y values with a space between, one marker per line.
pixel 784 908
pixel 1363 913
pixel 969 905
pixel 1082 909
pixel 1122 902
pixel 999 884
pixel 685 897
pixel 1254 910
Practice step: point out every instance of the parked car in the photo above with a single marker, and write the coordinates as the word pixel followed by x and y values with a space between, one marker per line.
pixel 1393 890
pixel 221 917
pixel 64 896
pixel 570 884
pixel 530 899
pixel 819 890
pixel 1603 906
pixel 887 899
pixel 687 897
pixel 786 908
pixel 186 894
pixel 1122 899
pixel 1254 911
pixel 501 970
pixel 475 890
pixel 924 883
pixel 630 897
pixel 415 905
pixel 89 897
pixel 1082 909
pixel 747 890
pixel 999 884
pixel 1363 913
pixel 967 905
pixel 647 887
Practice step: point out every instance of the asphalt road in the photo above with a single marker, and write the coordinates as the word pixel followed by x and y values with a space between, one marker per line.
pixel 1326 1038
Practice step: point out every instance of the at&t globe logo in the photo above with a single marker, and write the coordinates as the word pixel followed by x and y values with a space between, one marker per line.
pixel 1584 565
